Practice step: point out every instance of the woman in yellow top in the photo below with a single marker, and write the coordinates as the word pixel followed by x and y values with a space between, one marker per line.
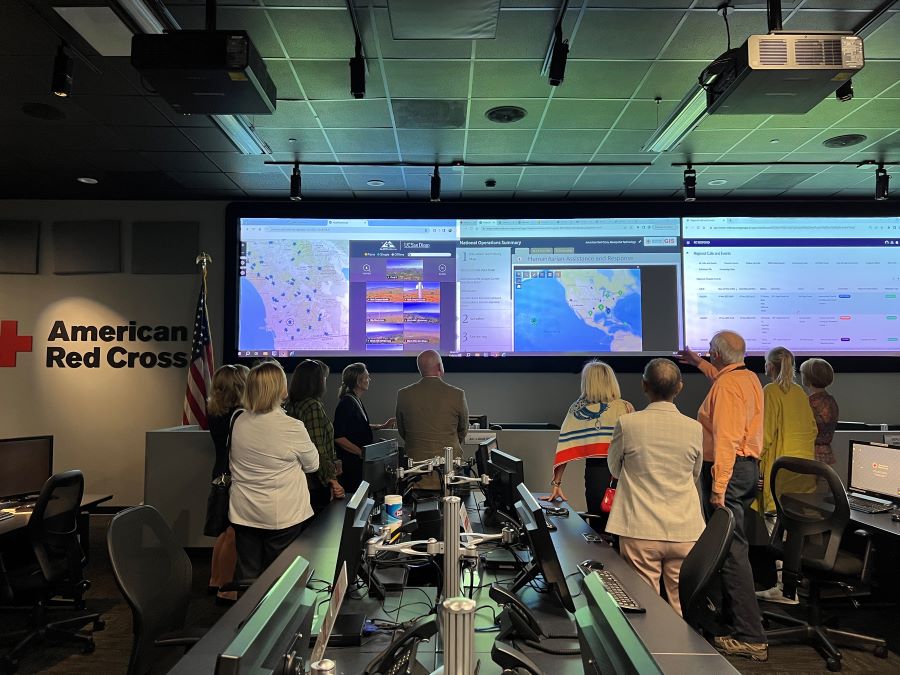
pixel 789 428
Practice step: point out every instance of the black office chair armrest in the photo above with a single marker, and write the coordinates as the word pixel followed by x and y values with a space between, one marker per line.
pixel 868 554
pixel 237 585
pixel 186 639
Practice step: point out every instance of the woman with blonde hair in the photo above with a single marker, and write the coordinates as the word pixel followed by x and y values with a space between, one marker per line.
pixel 586 433
pixel 352 429
pixel 789 430
pixel 225 397
pixel 270 455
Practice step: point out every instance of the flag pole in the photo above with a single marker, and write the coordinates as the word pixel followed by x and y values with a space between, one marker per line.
pixel 201 366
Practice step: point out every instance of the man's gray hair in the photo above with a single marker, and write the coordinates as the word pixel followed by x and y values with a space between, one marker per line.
pixel 730 346
pixel 662 377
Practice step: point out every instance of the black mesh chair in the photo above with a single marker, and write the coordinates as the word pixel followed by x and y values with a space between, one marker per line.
pixel 52 574
pixel 813 514
pixel 154 574
pixel 700 570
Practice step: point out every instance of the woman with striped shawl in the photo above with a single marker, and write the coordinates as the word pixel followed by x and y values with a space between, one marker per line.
pixel 586 433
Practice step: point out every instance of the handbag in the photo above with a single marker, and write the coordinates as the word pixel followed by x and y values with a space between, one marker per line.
pixel 218 500
pixel 609 496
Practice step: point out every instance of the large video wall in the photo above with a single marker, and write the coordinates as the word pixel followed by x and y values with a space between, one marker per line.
pixel 537 287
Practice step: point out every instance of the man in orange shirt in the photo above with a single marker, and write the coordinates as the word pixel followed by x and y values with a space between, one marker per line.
pixel 732 421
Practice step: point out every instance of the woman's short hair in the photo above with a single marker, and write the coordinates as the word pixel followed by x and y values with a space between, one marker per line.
pixel 308 381
pixel 350 377
pixel 266 387
pixel 599 383
pixel 781 360
pixel 227 390
pixel 816 373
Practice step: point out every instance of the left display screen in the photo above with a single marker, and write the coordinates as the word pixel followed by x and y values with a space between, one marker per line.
pixel 382 287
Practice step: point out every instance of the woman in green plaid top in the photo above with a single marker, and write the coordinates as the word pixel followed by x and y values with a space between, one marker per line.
pixel 305 404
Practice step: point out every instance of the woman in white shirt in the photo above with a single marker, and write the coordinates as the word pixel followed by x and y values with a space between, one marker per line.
pixel 270 453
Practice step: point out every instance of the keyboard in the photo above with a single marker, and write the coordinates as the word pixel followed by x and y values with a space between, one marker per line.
pixel 614 587
pixel 867 506
pixel 5 515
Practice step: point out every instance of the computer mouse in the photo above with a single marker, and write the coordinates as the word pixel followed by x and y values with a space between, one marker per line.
pixel 895 517
pixel 591 564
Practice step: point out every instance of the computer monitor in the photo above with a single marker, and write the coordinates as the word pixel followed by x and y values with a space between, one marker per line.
pixel 478 421
pixel 608 641
pixel 354 533
pixel 271 629
pixel 874 470
pixel 380 463
pixel 26 464
pixel 483 455
pixel 506 473
pixel 544 560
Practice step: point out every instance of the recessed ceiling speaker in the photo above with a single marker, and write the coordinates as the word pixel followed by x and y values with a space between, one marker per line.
pixel 506 114
pixel 844 141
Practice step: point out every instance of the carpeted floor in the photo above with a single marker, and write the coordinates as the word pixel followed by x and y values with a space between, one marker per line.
pixel 114 643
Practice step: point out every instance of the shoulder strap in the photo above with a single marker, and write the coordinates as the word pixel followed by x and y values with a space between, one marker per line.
pixel 234 416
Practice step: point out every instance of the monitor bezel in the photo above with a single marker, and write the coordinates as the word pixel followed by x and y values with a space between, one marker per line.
pixel 869 493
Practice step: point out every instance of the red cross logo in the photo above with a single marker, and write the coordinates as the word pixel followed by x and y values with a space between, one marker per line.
pixel 11 343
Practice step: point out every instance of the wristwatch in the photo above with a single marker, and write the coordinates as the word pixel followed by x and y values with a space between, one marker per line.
pixel 556 483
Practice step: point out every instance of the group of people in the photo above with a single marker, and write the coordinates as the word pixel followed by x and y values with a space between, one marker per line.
pixel 287 460
pixel 660 457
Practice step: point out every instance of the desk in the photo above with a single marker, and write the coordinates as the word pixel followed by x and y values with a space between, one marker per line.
pixel 88 503
pixel 880 523
pixel 675 646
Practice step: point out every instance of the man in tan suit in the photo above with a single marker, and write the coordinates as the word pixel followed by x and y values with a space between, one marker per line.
pixel 431 415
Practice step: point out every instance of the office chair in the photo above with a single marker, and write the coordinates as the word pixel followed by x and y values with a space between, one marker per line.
pixel 813 513
pixel 55 575
pixel 700 570
pixel 154 575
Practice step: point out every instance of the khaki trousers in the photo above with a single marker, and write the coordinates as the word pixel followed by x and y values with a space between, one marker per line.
pixel 650 559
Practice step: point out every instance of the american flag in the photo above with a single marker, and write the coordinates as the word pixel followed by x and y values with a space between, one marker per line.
pixel 201 366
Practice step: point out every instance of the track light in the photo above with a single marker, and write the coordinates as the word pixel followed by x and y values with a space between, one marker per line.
pixel 295 183
pixel 558 57
pixel 845 91
pixel 358 73
pixel 436 184
pixel 62 72
pixel 690 184
pixel 882 183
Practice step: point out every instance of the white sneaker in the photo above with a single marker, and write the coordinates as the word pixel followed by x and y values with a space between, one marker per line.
pixel 776 594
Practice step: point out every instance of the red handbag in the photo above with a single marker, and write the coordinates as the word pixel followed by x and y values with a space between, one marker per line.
pixel 609 496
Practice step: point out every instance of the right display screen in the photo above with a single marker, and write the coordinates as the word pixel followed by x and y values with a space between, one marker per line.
pixel 815 285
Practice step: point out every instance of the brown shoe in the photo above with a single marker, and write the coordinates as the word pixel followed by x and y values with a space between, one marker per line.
pixel 756 651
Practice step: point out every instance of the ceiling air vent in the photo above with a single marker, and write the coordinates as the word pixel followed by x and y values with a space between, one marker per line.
pixel 772 52
pixel 818 52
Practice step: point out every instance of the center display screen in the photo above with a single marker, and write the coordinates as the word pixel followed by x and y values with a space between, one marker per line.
pixel 511 287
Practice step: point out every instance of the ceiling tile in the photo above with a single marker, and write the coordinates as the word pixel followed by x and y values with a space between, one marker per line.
pixel 314 33
pixel 505 181
pixel 353 113
pixel 882 44
pixel 426 141
pixel 209 139
pixel 569 141
pixel 714 141
pixel 670 80
pixel 610 35
pixel 775 140
pixel 180 161
pixel 408 49
pixel 822 116
pixel 235 162
pixel 608 181
pixel 601 79
pixel 156 138
pixel 520 35
pixel 499 142
pixel 411 113
pixel 575 114
pixel 287 115
pixel 875 114
pixel 262 181
pixel 509 79
pixel 702 35
pixel 824 21
pixel 282 76
pixel 304 140
pixel 427 79
pixel 556 181
pixel 624 141
pixel 353 140
pixel 645 114
pixel 202 181
pixel 331 79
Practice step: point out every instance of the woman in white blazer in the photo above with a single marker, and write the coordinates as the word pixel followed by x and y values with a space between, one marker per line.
pixel 270 455
pixel 657 454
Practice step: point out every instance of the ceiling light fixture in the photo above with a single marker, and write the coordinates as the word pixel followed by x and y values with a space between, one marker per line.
pixel 882 183
pixel 375 182
pixel 295 183
pixel 62 72
pixel 436 184
pixel 717 182
pixel 690 184
pixel 87 180
pixel 845 91
pixel 559 54
pixel 242 134
pixel 683 120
